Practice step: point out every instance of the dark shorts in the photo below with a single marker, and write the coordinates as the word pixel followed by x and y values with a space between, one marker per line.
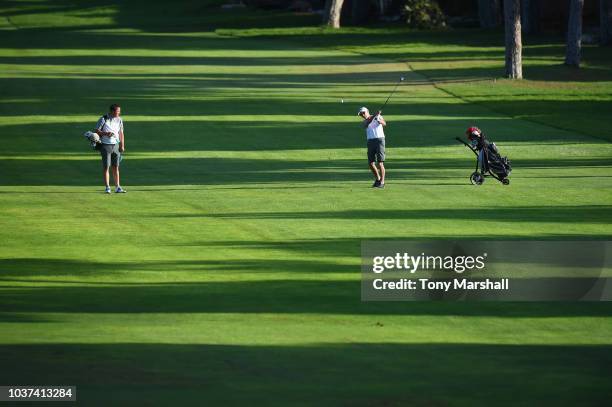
pixel 110 155
pixel 376 150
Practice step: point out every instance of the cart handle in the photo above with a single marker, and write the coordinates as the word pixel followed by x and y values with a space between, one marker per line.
pixel 467 145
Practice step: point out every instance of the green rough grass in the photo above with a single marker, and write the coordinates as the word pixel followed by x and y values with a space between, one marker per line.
pixel 229 274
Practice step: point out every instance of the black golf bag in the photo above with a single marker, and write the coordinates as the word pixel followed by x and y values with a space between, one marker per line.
pixel 489 161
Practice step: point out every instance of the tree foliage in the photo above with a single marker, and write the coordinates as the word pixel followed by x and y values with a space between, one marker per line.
pixel 424 14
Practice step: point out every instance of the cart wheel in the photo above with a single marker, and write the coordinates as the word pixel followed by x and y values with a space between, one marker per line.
pixel 476 178
pixel 506 181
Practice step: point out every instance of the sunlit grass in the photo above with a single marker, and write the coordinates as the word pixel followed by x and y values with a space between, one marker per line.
pixel 233 261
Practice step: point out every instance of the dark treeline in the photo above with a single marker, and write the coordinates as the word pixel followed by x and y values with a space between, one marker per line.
pixel 536 15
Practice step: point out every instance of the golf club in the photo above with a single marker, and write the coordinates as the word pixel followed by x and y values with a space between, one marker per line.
pixel 401 79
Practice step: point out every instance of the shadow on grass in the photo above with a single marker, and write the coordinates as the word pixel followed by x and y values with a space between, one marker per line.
pixel 150 16
pixel 555 72
pixel 300 287
pixel 14 269
pixel 356 374
pixel 340 58
pixel 565 214
pixel 178 60
pixel 225 171
pixel 318 256
pixel 254 297
pixel 197 17
pixel 279 121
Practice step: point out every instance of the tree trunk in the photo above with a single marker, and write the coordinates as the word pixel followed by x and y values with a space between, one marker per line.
pixel 514 45
pixel 334 13
pixel 574 34
pixel 530 16
pixel 605 18
pixel 488 13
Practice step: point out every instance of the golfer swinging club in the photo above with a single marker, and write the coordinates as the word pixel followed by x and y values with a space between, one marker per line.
pixel 110 130
pixel 376 144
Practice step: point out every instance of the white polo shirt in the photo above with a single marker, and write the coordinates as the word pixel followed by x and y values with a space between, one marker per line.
pixel 112 124
pixel 375 129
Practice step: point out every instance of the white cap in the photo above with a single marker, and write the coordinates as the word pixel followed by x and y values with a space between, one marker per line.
pixel 362 110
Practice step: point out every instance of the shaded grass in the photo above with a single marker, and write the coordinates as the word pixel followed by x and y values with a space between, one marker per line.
pixel 229 273
pixel 303 373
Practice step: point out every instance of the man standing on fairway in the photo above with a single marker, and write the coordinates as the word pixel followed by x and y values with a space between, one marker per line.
pixel 110 130
pixel 376 144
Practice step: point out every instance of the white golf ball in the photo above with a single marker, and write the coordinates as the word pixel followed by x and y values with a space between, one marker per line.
pixel 341 100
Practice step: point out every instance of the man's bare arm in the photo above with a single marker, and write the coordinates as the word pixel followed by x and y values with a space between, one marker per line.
pixel 380 119
pixel 366 122
pixel 103 133
pixel 122 139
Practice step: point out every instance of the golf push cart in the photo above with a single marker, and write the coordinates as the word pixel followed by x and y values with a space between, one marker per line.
pixel 488 160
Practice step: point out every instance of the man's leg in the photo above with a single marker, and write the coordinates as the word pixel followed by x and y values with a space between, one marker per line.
pixel 374 171
pixel 115 175
pixel 372 160
pixel 115 162
pixel 380 157
pixel 105 154
pixel 105 176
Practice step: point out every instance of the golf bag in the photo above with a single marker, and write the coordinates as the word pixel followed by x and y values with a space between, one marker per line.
pixel 489 161
pixel 94 139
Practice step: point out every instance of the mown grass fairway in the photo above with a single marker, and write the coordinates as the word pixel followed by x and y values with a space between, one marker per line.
pixel 229 274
